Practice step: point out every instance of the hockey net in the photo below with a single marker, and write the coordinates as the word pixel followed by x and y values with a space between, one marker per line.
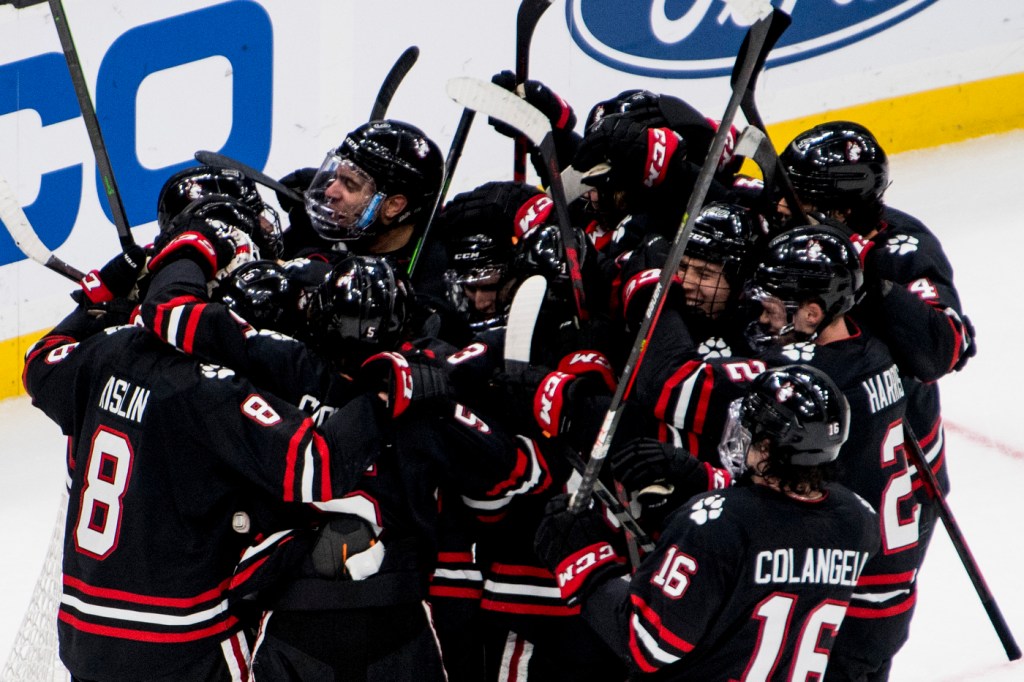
pixel 33 656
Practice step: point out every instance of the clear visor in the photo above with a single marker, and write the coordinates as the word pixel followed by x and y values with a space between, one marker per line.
pixel 732 449
pixel 775 314
pixel 342 200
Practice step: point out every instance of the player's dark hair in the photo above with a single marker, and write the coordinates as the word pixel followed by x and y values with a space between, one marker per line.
pixel 795 478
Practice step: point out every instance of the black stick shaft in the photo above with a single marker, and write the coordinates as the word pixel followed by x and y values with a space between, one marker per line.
pixel 450 162
pixel 956 536
pixel 758 42
pixel 92 125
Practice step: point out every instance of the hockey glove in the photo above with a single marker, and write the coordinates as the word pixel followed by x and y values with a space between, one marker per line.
pixel 540 96
pixel 621 154
pixel 568 391
pixel 116 279
pixel 405 379
pixel 577 548
pixel 558 111
pixel 346 547
pixel 660 476
pixel 217 248
pixel 969 344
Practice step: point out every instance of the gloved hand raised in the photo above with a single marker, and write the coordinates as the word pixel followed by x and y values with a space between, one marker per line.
pixel 539 95
pixel 619 153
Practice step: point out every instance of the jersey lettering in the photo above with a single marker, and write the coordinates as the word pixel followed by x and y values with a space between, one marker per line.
pixel 746 370
pixel 463 415
pixel 673 577
pixel 898 531
pixel 257 409
pixel 107 473
pixel 809 659
pixel 471 351
pixel 925 290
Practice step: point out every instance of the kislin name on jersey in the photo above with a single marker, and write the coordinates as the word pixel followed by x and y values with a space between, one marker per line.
pixel 124 399
pixel 820 565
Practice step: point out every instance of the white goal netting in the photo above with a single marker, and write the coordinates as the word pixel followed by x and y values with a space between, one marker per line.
pixel 33 656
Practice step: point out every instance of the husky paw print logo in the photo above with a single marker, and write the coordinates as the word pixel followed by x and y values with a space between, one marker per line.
pixel 707 509
pixel 800 352
pixel 902 244
pixel 216 372
pixel 715 348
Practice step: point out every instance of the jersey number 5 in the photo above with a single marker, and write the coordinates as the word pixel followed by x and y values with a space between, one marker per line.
pixel 106 478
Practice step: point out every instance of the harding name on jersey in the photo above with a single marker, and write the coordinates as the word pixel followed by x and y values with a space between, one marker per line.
pixel 883 389
pixel 820 565
pixel 124 399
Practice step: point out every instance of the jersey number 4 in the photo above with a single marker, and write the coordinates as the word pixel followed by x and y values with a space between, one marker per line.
pixel 106 478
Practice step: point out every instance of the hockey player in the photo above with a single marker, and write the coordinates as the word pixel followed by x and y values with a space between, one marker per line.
pixel 169 462
pixel 750 582
pixel 366 571
pixel 807 283
pixel 839 169
pixel 372 195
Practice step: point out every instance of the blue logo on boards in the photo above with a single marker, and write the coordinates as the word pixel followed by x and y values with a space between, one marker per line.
pixel 240 32
pixel 700 38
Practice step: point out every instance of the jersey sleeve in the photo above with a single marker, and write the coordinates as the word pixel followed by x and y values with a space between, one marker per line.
pixel 680 588
pixel 686 391
pixel 176 309
pixel 277 446
pixel 489 466
pixel 921 315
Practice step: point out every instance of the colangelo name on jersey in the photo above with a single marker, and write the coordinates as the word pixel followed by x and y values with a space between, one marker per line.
pixel 825 566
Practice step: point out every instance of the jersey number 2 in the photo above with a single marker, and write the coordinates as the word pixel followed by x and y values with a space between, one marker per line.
pixel 106 478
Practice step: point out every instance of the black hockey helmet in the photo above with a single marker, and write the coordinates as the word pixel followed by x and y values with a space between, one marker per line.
pixel 726 234
pixel 195 182
pixel 221 209
pixel 838 165
pixel 261 293
pixel 359 309
pixel 474 258
pixel 798 409
pixel 393 158
pixel 810 263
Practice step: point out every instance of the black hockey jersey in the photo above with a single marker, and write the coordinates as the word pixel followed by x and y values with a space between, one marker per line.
pixel 746 583
pixel 424 448
pixel 693 396
pixel 921 320
pixel 165 453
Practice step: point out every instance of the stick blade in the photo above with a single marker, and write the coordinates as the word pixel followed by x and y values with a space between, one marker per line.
pixel 495 101
pixel 391 82
pixel 522 320
pixel 773 25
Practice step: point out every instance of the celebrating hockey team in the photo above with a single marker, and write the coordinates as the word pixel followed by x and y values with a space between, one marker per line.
pixel 661 415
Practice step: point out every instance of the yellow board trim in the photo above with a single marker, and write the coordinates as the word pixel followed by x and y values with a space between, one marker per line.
pixel 901 124
pixel 924 119
pixel 12 359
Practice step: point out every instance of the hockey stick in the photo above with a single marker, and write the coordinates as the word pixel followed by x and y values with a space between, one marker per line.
pixel 756 45
pixel 450 162
pixel 493 100
pixel 956 536
pixel 92 126
pixel 392 81
pixel 522 322
pixel 527 17
pixel 26 239
pixel 221 161
pixel 772 170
